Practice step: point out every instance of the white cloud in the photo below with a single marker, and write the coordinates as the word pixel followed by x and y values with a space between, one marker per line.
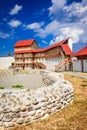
pixel 45 42
pixel 14 23
pixel 84 20
pixel 4 35
pixel 51 28
pixel 56 6
pixel 75 33
pixel 15 10
pixel 36 27
pixel 60 31
pixel 12 33
pixel 84 2
pixel 84 39
pixel 56 39
pixel 75 9
pixel 33 26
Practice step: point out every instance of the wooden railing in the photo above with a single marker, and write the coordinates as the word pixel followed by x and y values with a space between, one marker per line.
pixel 40 65
pixel 65 62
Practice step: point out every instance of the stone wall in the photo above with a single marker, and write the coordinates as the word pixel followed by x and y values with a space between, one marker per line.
pixel 25 106
pixel 5 62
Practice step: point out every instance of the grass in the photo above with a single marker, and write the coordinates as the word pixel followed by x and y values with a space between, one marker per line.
pixel 1 87
pixel 18 86
pixel 85 81
pixel 73 117
pixel 83 85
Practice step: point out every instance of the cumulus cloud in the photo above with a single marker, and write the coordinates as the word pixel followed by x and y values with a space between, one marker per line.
pixel 14 23
pixel 66 32
pixel 66 26
pixel 4 35
pixel 73 12
pixel 56 6
pixel 84 20
pixel 60 31
pixel 75 33
pixel 84 2
pixel 76 9
pixel 34 26
pixel 56 39
pixel 44 42
pixel 16 9
pixel 51 28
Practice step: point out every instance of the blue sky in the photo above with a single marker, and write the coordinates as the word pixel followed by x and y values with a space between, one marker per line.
pixel 47 21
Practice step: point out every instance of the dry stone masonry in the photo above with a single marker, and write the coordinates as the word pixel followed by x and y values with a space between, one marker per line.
pixel 25 106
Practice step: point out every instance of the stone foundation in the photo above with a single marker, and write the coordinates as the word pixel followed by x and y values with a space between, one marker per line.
pixel 25 106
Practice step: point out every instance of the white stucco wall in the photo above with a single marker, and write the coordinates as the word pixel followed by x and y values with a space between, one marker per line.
pixel 70 43
pixel 51 63
pixel 77 65
pixel 5 62
pixel 85 65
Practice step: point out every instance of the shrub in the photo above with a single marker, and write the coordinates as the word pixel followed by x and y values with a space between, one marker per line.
pixel 18 86
pixel 83 85
pixel 12 63
pixel 85 81
pixel 1 87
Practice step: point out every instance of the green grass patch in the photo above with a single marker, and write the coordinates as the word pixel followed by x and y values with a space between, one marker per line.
pixel 18 86
pixel 1 87
pixel 72 76
pixel 83 85
pixel 84 81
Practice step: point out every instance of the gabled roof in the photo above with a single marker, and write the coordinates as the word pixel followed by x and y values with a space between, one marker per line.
pixel 62 44
pixel 58 44
pixel 23 43
pixel 81 52
pixel 66 49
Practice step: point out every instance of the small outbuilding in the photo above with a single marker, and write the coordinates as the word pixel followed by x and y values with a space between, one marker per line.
pixel 81 63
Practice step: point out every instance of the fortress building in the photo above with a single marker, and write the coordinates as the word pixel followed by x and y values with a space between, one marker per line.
pixel 28 55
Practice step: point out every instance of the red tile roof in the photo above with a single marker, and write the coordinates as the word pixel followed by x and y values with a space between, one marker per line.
pixel 57 44
pixel 82 52
pixel 65 47
pixel 23 43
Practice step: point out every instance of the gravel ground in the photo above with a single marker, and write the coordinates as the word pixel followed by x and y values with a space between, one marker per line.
pixel 31 81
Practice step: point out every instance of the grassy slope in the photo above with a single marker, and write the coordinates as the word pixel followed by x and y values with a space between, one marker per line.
pixel 73 117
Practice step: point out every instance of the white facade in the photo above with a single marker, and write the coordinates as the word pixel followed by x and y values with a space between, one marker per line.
pixel 70 43
pixel 77 65
pixel 85 65
pixel 5 62
pixel 52 62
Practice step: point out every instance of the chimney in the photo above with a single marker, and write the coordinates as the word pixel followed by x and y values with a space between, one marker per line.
pixel 70 43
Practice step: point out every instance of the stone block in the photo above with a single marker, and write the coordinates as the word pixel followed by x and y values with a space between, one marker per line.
pixel 20 121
